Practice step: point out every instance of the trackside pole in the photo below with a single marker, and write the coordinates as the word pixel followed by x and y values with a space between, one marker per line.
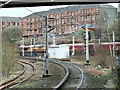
pixel 34 48
pixel 54 39
pixel 46 38
pixel 73 47
pixel 23 46
pixel 31 47
pixel 87 45
pixel 113 44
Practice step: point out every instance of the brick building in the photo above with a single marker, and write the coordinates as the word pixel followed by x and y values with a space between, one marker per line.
pixel 69 19
pixel 9 21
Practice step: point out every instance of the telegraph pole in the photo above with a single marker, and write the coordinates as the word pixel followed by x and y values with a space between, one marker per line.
pixel 46 38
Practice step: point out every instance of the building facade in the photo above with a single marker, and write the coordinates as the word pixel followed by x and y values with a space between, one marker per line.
pixel 69 19
pixel 9 21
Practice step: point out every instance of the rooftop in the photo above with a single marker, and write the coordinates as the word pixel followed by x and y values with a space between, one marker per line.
pixel 65 9
pixel 10 19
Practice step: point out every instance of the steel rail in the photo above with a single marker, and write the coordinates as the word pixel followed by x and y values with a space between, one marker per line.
pixel 81 71
pixel 67 72
pixel 16 76
pixel 14 83
pixel 59 63
pixel 65 77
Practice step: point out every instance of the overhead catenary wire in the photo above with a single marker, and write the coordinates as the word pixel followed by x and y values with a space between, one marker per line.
pixel 6 3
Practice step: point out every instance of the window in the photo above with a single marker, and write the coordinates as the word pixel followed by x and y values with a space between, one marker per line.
pixel 27 20
pixel 40 25
pixel 72 20
pixel 50 23
pixel 97 17
pixel 63 28
pixel 35 31
pixel 40 31
pixel 88 11
pixel 92 17
pixel 40 19
pixel 57 22
pixel 82 11
pixel 31 32
pixel 17 24
pixel 71 13
pixel 68 27
pixel 3 23
pixel 87 18
pixel 68 14
pixel 27 26
pixel 30 19
pixel 3 28
pixel 82 18
pixel 76 13
pixel 30 25
pixel 76 27
pixel 68 20
pixel 62 14
pixel 27 32
pixel 63 21
pixel 92 10
pixel 35 25
pixel 35 19
pixel 76 20
pixel 9 23
pixel 13 23
pixel 72 27
pixel 97 10
pixel 92 25
pixel 53 22
pixel 57 16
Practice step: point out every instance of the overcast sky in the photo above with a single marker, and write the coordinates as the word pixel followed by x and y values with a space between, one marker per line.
pixel 22 12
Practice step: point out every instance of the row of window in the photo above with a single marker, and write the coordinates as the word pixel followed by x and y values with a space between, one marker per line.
pixel 63 14
pixel 72 27
pixel 72 20
pixel 10 23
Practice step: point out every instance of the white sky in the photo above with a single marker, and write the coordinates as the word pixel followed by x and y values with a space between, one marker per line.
pixel 21 12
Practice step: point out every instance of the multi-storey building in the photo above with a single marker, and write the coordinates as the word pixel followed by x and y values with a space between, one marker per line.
pixel 69 19
pixel 9 21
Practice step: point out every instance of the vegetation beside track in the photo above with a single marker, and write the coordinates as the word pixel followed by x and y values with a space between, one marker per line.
pixel 10 53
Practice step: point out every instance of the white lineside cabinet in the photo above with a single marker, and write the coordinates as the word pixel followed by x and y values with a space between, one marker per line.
pixel 58 51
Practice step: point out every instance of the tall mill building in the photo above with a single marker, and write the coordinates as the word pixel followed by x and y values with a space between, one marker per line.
pixel 6 22
pixel 69 19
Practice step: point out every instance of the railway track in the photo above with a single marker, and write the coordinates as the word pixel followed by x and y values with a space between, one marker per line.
pixel 74 79
pixel 22 77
